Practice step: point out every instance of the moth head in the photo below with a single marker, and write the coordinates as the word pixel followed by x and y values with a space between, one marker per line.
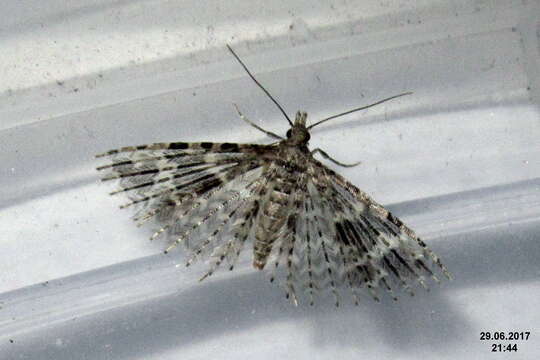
pixel 298 133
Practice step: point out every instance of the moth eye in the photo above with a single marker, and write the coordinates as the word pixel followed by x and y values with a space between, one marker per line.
pixel 289 134
pixel 308 136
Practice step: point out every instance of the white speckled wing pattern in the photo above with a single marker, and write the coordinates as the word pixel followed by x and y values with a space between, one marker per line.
pixel 311 228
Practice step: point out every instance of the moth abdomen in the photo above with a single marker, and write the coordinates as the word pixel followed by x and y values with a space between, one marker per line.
pixel 272 218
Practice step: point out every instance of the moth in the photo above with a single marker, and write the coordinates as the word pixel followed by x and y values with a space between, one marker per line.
pixel 306 224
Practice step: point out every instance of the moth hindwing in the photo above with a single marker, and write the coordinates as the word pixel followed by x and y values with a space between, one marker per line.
pixel 307 225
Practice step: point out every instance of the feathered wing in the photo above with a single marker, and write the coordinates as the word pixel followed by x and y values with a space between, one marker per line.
pixel 212 197
pixel 338 237
pixel 204 194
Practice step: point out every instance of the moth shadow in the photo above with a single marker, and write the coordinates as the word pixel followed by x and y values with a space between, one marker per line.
pixel 229 305
pixel 479 260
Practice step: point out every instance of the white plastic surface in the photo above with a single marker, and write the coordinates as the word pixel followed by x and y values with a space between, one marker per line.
pixel 459 161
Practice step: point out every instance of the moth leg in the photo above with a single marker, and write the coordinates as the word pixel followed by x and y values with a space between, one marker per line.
pixel 328 157
pixel 269 133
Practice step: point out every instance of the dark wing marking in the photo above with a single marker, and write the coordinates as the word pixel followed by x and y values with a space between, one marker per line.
pixel 375 247
pixel 189 147
pixel 336 237
pixel 190 187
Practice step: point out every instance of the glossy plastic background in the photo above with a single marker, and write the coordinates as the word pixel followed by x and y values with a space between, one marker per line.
pixel 459 161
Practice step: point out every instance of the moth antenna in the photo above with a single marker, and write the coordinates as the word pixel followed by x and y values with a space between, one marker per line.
pixel 259 85
pixel 358 109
